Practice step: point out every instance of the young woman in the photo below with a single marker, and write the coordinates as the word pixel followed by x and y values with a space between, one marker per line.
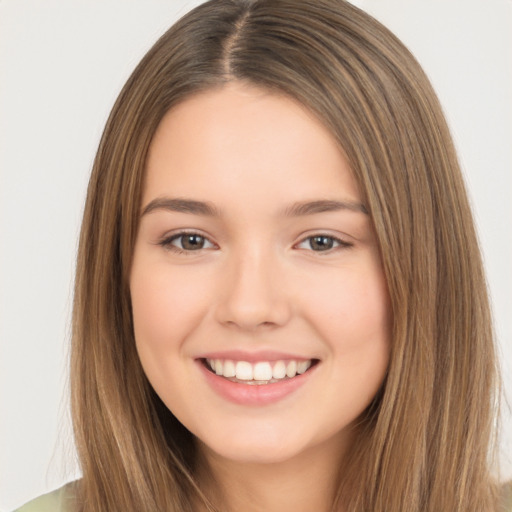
pixel 279 301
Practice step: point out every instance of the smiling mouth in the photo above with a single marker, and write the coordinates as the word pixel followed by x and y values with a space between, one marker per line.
pixel 259 373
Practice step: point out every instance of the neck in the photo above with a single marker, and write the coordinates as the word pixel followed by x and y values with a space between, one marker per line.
pixel 307 482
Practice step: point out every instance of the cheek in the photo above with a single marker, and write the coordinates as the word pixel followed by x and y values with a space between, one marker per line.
pixel 164 306
pixel 153 307
pixel 360 340
pixel 354 320
pixel 353 306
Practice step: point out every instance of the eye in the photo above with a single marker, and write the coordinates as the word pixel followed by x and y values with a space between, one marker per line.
pixel 186 242
pixel 323 243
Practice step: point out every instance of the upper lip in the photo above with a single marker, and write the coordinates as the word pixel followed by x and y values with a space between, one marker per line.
pixel 253 357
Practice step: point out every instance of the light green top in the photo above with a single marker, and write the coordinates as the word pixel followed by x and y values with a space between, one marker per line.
pixel 62 500
pixel 506 497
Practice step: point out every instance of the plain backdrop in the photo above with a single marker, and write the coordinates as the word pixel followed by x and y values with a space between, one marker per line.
pixel 62 63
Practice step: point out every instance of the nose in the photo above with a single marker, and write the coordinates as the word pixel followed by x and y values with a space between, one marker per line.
pixel 252 293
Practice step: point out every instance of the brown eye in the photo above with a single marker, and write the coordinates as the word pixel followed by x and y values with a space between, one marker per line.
pixel 323 243
pixel 186 242
pixel 192 242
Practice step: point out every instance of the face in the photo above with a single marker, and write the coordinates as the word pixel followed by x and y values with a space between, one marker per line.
pixel 260 308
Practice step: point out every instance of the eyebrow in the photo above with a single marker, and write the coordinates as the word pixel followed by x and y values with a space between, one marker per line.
pixel 298 209
pixel 183 206
pixel 323 205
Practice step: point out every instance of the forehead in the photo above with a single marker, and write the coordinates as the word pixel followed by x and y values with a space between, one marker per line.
pixel 239 140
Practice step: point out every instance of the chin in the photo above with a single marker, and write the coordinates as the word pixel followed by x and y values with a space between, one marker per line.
pixel 265 445
pixel 256 453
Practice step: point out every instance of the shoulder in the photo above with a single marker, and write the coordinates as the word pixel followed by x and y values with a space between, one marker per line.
pixel 60 500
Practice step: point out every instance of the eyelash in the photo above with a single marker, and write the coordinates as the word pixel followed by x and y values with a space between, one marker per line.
pixel 167 243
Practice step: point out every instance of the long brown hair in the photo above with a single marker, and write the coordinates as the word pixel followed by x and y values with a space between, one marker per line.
pixel 424 443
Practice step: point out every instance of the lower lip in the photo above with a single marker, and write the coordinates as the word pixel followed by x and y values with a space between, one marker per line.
pixel 254 394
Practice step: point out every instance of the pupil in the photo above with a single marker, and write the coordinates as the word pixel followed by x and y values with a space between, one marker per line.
pixel 192 242
pixel 321 243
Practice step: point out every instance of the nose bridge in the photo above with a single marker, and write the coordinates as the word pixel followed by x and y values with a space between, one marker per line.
pixel 253 294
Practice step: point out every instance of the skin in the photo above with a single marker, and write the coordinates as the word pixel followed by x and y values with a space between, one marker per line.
pixel 258 283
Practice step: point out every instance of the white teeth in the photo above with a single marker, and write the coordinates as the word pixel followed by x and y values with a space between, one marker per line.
pixel 279 370
pixel 291 369
pixel 302 366
pixel 261 372
pixel 229 368
pixel 244 370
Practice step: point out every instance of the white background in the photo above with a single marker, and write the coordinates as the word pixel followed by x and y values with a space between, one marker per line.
pixel 62 64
